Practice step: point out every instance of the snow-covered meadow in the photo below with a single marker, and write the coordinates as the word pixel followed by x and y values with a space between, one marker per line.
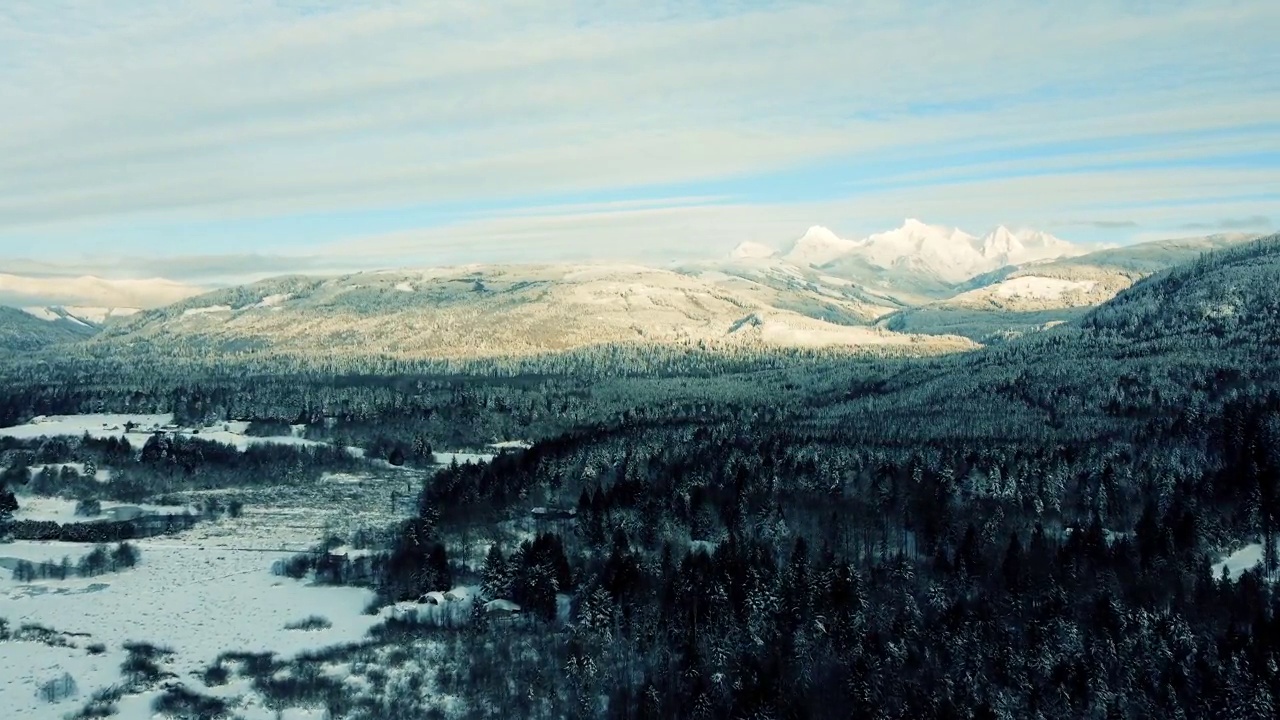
pixel 116 425
pixel 107 425
pixel 198 598
pixel 203 592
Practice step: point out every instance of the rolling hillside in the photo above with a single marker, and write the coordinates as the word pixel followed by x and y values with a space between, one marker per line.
pixel 491 311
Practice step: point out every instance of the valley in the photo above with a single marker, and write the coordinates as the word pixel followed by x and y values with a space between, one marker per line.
pixel 399 531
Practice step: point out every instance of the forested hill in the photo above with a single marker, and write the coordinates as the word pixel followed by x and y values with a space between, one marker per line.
pixel 1183 342
pixel 21 331
pixel 1063 500
pixel 1179 343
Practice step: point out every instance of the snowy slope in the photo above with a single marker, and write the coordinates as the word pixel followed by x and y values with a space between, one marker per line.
pixel 38 328
pixel 1040 293
pixel 508 310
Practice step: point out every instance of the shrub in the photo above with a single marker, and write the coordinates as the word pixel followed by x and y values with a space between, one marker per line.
pixel 101 705
pixel 125 556
pixel 142 666
pixel 215 675
pixel 89 507
pixel 55 691
pixel 180 702
pixel 315 622
pixel 96 649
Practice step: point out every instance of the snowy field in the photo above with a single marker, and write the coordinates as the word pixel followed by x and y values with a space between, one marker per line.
pixel 228 433
pixel 198 598
pixel 110 425
pixel 1246 558
pixel 61 510
pixel 201 593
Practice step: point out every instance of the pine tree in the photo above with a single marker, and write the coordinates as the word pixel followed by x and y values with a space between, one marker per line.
pixel 496 575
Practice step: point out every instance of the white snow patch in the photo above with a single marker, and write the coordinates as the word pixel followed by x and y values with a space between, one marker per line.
pixel 1246 558
pixel 99 315
pixel 404 287
pixel 1040 288
pixel 273 300
pixel 42 312
pixel 96 425
pixel 61 510
pixel 511 445
pixel 206 310
pixel 108 425
pixel 447 458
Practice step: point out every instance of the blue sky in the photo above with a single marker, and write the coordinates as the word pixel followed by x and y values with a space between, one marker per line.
pixel 214 139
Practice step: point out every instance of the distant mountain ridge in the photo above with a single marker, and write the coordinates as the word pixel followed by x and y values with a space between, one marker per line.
pixel 89 291
pixel 918 286
pixel 1021 298
pixel 474 312
pixel 934 254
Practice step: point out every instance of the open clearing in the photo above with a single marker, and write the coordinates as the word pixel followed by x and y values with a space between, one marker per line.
pixel 202 592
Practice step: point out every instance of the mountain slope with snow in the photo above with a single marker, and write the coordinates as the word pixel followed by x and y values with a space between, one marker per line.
pixel 918 262
pixel 487 311
pixel 1036 294
pixel 23 331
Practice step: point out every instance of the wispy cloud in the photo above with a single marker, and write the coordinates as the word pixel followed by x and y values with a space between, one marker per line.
pixel 1099 224
pixel 1253 222
pixel 261 128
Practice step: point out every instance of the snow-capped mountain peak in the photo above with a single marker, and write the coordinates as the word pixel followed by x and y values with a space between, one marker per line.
pixel 819 246
pixel 752 251
pixel 1001 243
pixel 1015 247
pixel 937 253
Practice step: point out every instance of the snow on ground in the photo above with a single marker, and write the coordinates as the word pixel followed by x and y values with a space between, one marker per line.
pixel 1041 288
pixel 206 310
pixel 404 287
pixel 25 666
pixel 60 510
pixel 113 425
pixel 97 425
pixel 273 300
pixel 241 442
pixel 447 458
pixel 99 315
pixel 511 445
pixel 41 312
pixel 200 601
pixel 1246 558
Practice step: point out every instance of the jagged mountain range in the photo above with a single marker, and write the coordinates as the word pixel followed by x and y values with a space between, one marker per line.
pixel 917 288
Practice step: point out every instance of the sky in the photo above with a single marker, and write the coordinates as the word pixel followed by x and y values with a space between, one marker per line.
pixel 210 141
